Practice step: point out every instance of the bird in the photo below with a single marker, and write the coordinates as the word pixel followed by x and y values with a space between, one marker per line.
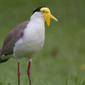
pixel 26 39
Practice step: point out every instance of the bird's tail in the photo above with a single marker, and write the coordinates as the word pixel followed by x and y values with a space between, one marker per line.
pixel 1 57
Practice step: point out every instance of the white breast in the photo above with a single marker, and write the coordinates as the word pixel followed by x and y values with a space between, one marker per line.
pixel 33 38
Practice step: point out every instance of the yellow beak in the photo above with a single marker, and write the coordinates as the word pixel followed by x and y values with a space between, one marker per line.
pixel 54 18
pixel 48 17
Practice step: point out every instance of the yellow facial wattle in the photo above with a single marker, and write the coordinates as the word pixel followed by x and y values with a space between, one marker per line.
pixel 47 15
pixel 47 18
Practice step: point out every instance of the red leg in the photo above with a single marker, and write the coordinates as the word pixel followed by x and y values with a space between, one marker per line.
pixel 28 72
pixel 18 72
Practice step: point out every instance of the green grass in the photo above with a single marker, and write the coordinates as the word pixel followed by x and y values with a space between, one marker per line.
pixel 59 62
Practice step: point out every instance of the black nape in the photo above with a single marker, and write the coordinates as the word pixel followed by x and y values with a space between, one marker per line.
pixel 38 9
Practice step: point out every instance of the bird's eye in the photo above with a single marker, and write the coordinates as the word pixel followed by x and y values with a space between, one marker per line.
pixel 43 11
pixel 46 11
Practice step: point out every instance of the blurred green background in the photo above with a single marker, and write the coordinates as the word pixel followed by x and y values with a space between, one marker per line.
pixel 60 61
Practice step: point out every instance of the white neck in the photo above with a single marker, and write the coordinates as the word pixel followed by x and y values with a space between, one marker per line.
pixel 35 27
pixel 37 15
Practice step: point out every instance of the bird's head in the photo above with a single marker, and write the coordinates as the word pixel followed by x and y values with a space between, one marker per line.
pixel 46 14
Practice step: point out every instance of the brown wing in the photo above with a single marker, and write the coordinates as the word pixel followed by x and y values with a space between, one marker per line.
pixel 12 37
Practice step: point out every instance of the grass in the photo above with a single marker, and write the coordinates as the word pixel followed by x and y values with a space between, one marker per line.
pixel 60 61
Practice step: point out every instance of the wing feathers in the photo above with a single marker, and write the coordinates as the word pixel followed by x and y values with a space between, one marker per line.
pixel 12 37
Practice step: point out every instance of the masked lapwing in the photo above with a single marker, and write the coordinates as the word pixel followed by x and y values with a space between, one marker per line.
pixel 27 38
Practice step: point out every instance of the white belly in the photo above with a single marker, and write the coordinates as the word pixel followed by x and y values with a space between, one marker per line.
pixel 27 49
pixel 31 42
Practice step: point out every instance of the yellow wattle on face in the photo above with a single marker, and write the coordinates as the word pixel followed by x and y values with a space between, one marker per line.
pixel 47 18
pixel 47 15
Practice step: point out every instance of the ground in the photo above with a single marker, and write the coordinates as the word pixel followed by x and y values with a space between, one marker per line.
pixel 61 61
